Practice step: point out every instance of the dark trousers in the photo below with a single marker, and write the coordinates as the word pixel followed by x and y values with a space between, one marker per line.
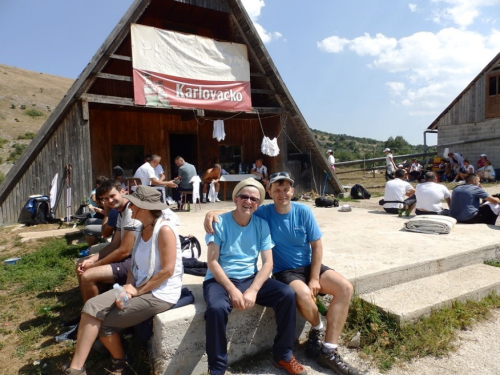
pixel 272 294
pixel 484 216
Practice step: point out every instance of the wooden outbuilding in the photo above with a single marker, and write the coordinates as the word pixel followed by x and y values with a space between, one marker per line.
pixel 470 125
pixel 97 125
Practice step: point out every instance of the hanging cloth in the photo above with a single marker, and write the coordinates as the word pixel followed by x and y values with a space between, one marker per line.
pixel 219 133
pixel 270 147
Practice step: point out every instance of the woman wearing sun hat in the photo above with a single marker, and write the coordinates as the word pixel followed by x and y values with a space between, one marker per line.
pixel 154 284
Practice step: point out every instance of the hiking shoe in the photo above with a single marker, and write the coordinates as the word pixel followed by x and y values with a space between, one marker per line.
pixel 292 366
pixel 332 359
pixel 120 367
pixel 314 340
pixel 72 371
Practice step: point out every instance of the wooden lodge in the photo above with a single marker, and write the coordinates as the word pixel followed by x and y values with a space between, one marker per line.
pixel 98 125
pixel 470 125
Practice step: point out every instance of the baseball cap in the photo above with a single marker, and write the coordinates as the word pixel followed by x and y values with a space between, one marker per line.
pixel 482 155
pixel 280 176
pixel 387 150
pixel 329 151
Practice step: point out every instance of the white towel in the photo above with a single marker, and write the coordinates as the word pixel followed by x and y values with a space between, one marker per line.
pixel 196 180
pixel 495 207
pixel 270 147
pixel 218 132
pixel 431 224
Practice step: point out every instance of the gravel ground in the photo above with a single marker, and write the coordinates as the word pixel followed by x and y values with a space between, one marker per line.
pixel 478 349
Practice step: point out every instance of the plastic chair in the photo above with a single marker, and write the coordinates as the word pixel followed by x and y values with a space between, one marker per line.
pixel 131 183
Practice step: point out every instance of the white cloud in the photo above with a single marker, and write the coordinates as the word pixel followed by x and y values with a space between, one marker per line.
pixel 413 7
pixel 253 8
pixel 430 67
pixel 461 12
pixel 333 44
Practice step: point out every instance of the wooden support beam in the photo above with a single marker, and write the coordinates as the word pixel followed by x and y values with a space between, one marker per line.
pixel 120 57
pixel 103 99
pixel 85 110
pixel 115 77
pixel 272 110
pixel 261 91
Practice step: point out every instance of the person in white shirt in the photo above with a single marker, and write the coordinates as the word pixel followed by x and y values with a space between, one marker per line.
pixel 390 167
pixel 260 171
pixel 331 159
pixel 395 193
pixel 429 196
pixel 415 170
pixel 468 168
pixel 146 173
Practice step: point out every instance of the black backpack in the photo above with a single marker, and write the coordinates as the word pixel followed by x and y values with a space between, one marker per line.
pixel 190 247
pixel 359 192
pixel 36 211
pixel 326 202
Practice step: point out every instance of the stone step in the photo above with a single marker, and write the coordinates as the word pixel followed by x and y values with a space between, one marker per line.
pixel 408 301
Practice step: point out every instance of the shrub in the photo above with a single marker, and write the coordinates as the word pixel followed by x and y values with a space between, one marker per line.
pixel 18 150
pixel 3 141
pixel 27 135
pixel 2 176
pixel 33 112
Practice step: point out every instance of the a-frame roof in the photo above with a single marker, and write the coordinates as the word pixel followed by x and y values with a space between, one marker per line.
pixel 262 67
pixel 491 64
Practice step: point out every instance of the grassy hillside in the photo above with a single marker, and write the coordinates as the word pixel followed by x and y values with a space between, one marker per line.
pixel 26 100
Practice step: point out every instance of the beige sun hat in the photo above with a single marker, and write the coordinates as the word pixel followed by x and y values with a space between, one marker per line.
pixel 250 182
pixel 147 198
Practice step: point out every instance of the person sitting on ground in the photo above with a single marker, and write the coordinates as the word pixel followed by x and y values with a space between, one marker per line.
pixel 331 159
pixel 185 173
pixel 482 161
pixel 465 203
pixel 429 196
pixel 395 193
pixel 468 169
pixel 486 173
pixel 233 280
pixel 146 173
pixel 111 264
pixel 260 171
pixel 211 175
pixel 297 259
pixel 390 166
pixel 415 170
pixel 153 285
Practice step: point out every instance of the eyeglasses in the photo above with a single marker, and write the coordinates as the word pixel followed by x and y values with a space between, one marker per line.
pixel 284 174
pixel 245 197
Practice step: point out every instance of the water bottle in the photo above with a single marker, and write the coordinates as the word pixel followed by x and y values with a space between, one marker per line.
pixel 407 211
pixel 121 295
pixel 321 308
pixel 240 169
pixel 189 207
pixel 400 210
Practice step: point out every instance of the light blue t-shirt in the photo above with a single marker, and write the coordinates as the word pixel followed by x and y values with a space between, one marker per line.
pixel 292 234
pixel 239 246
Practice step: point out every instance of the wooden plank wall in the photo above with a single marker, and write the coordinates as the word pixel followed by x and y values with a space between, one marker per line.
pixel 152 129
pixel 469 108
pixel 68 145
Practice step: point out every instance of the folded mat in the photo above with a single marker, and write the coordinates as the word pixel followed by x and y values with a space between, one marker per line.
pixel 431 224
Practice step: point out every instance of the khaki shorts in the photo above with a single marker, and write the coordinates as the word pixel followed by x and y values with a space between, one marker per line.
pixel 141 308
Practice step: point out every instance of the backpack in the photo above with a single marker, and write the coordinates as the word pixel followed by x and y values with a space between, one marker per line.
pixel 359 192
pixel 326 202
pixel 190 246
pixel 36 211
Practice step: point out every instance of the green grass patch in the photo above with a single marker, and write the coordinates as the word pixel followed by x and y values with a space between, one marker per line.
pixel 2 176
pixel 33 112
pixel 3 141
pixel 494 263
pixel 27 135
pixel 41 270
pixel 17 152
pixel 387 343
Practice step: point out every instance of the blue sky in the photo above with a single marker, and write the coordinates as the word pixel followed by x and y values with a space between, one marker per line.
pixel 368 68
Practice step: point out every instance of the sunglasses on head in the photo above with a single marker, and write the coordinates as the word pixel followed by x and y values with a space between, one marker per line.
pixel 245 197
pixel 284 174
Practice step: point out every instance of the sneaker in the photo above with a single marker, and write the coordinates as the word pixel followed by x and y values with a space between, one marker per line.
pixel 120 367
pixel 204 200
pixel 332 359
pixel 69 335
pixel 314 341
pixel 72 371
pixel 217 199
pixel 292 367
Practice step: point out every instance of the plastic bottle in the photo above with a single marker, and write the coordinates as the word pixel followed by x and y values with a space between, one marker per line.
pixel 240 170
pixel 121 295
pixel 407 211
pixel 321 308
pixel 189 207
pixel 400 210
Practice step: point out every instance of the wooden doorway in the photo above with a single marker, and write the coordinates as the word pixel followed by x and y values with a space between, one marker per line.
pixel 185 145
